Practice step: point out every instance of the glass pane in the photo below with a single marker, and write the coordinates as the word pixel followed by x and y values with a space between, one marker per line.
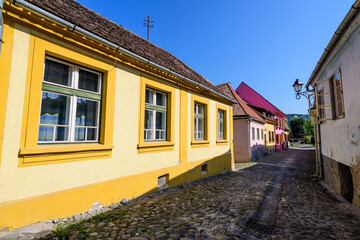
pixel 86 112
pixel 160 99
pixel 91 134
pixel 157 135
pixel 54 109
pixel 148 119
pixel 56 72
pixel 148 134
pixel 149 96
pixel 326 99
pixel 80 134
pixel 337 79
pixel 46 133
pixel 61 134
pixel 201 124
pixel 327 111
pixel 88 81
pixel 323 87
pixel 200 109
pixel 160 120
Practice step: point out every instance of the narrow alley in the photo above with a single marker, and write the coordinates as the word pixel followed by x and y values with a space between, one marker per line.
pixel 275 198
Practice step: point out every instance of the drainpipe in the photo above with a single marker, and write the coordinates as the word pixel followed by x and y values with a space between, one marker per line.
pixel 1 24
pixel 116 47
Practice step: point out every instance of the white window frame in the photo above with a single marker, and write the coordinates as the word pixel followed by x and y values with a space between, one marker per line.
pixel 74 80
pixel 154 108
pixel 198 134
pixel 221 116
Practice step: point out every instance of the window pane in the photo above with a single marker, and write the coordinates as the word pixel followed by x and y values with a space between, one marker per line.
pixel 149 119
pixel 201 125
pixel 80 134
pixel 160 120
pixel 91 134
pixel 46 133
pixel 200 109
pixel 61 134
pixel 86 112
pixel 88 81
pixel 56 72
pixel 148 96
pixel 160 99
pixel 54 109
pixel 148 134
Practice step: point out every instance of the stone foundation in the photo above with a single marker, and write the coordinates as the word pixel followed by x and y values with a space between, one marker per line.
pixel 341 178
pixel 355 172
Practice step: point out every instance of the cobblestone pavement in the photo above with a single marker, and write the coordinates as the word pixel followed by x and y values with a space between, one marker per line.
pixel 220 208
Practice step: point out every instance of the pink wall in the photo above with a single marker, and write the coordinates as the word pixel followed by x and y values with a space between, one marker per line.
pixel 241 140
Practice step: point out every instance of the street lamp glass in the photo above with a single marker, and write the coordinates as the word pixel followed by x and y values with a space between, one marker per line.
pixel 297 85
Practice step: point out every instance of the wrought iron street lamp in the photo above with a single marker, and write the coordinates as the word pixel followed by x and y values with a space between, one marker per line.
pixel 297 87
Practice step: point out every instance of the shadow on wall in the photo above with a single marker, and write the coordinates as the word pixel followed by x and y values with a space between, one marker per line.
pixel 77 200
pixel 217 165
pixel 257 152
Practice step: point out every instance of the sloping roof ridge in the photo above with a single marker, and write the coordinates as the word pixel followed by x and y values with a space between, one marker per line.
pixel 243 104
pixel 262 97
pixel 133 43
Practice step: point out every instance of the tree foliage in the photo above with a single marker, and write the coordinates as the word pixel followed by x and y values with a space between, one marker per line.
pixel 297 126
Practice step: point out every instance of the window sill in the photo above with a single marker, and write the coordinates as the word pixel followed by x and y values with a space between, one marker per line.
pixel 200 143
pixel 49 154
pixel 222 142
pixel 149 147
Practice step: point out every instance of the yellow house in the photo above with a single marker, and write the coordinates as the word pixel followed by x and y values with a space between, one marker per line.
pixel 90 112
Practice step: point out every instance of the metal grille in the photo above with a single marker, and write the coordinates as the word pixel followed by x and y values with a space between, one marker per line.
pixel 259 227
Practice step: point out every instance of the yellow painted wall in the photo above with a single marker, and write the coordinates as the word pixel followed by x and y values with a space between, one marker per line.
pixel 268 127
pixel 36 192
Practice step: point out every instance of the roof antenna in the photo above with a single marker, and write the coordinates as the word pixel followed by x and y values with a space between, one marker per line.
pixel 148 25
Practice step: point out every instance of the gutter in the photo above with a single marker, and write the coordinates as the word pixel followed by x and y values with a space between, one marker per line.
pixel 344 25
pixel 1 24
pixel 82 31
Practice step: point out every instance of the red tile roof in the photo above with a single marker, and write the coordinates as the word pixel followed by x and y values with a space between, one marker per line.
pixel 73 12
pixel 241 108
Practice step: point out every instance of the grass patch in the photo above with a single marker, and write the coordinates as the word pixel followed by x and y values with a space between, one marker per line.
pixel 64 231
pixel 294 145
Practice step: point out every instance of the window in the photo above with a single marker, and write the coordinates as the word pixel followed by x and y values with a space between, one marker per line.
pixel 253 133
pixel 329 98
pixel 338 95
pixel 221 128
pixel 273 138
pixel 270 137
pixel 258 133
pixel 70 103
pixel 262 134
pixel 155 115
pixel 199 121
pixel 67 101
pixel 220 124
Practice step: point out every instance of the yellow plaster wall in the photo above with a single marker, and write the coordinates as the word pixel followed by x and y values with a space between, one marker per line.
pixel 198 153
pixel 35 193
pixel 269 128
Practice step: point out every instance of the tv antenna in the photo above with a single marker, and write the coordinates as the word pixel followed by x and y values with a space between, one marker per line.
pixel 148 25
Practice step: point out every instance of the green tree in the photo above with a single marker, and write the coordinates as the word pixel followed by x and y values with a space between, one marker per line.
pixel 309 128
pixel 297 126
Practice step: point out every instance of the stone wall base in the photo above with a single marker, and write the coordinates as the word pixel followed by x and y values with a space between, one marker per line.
pixel 355 172
pixel 342 178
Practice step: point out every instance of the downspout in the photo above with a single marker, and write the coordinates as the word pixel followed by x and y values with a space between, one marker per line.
pixel 116 47
pixel 1 24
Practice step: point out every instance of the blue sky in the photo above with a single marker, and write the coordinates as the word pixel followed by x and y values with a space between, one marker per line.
pixel 265 43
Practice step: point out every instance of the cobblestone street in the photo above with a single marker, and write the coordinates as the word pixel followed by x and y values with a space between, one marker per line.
pixel 220 207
